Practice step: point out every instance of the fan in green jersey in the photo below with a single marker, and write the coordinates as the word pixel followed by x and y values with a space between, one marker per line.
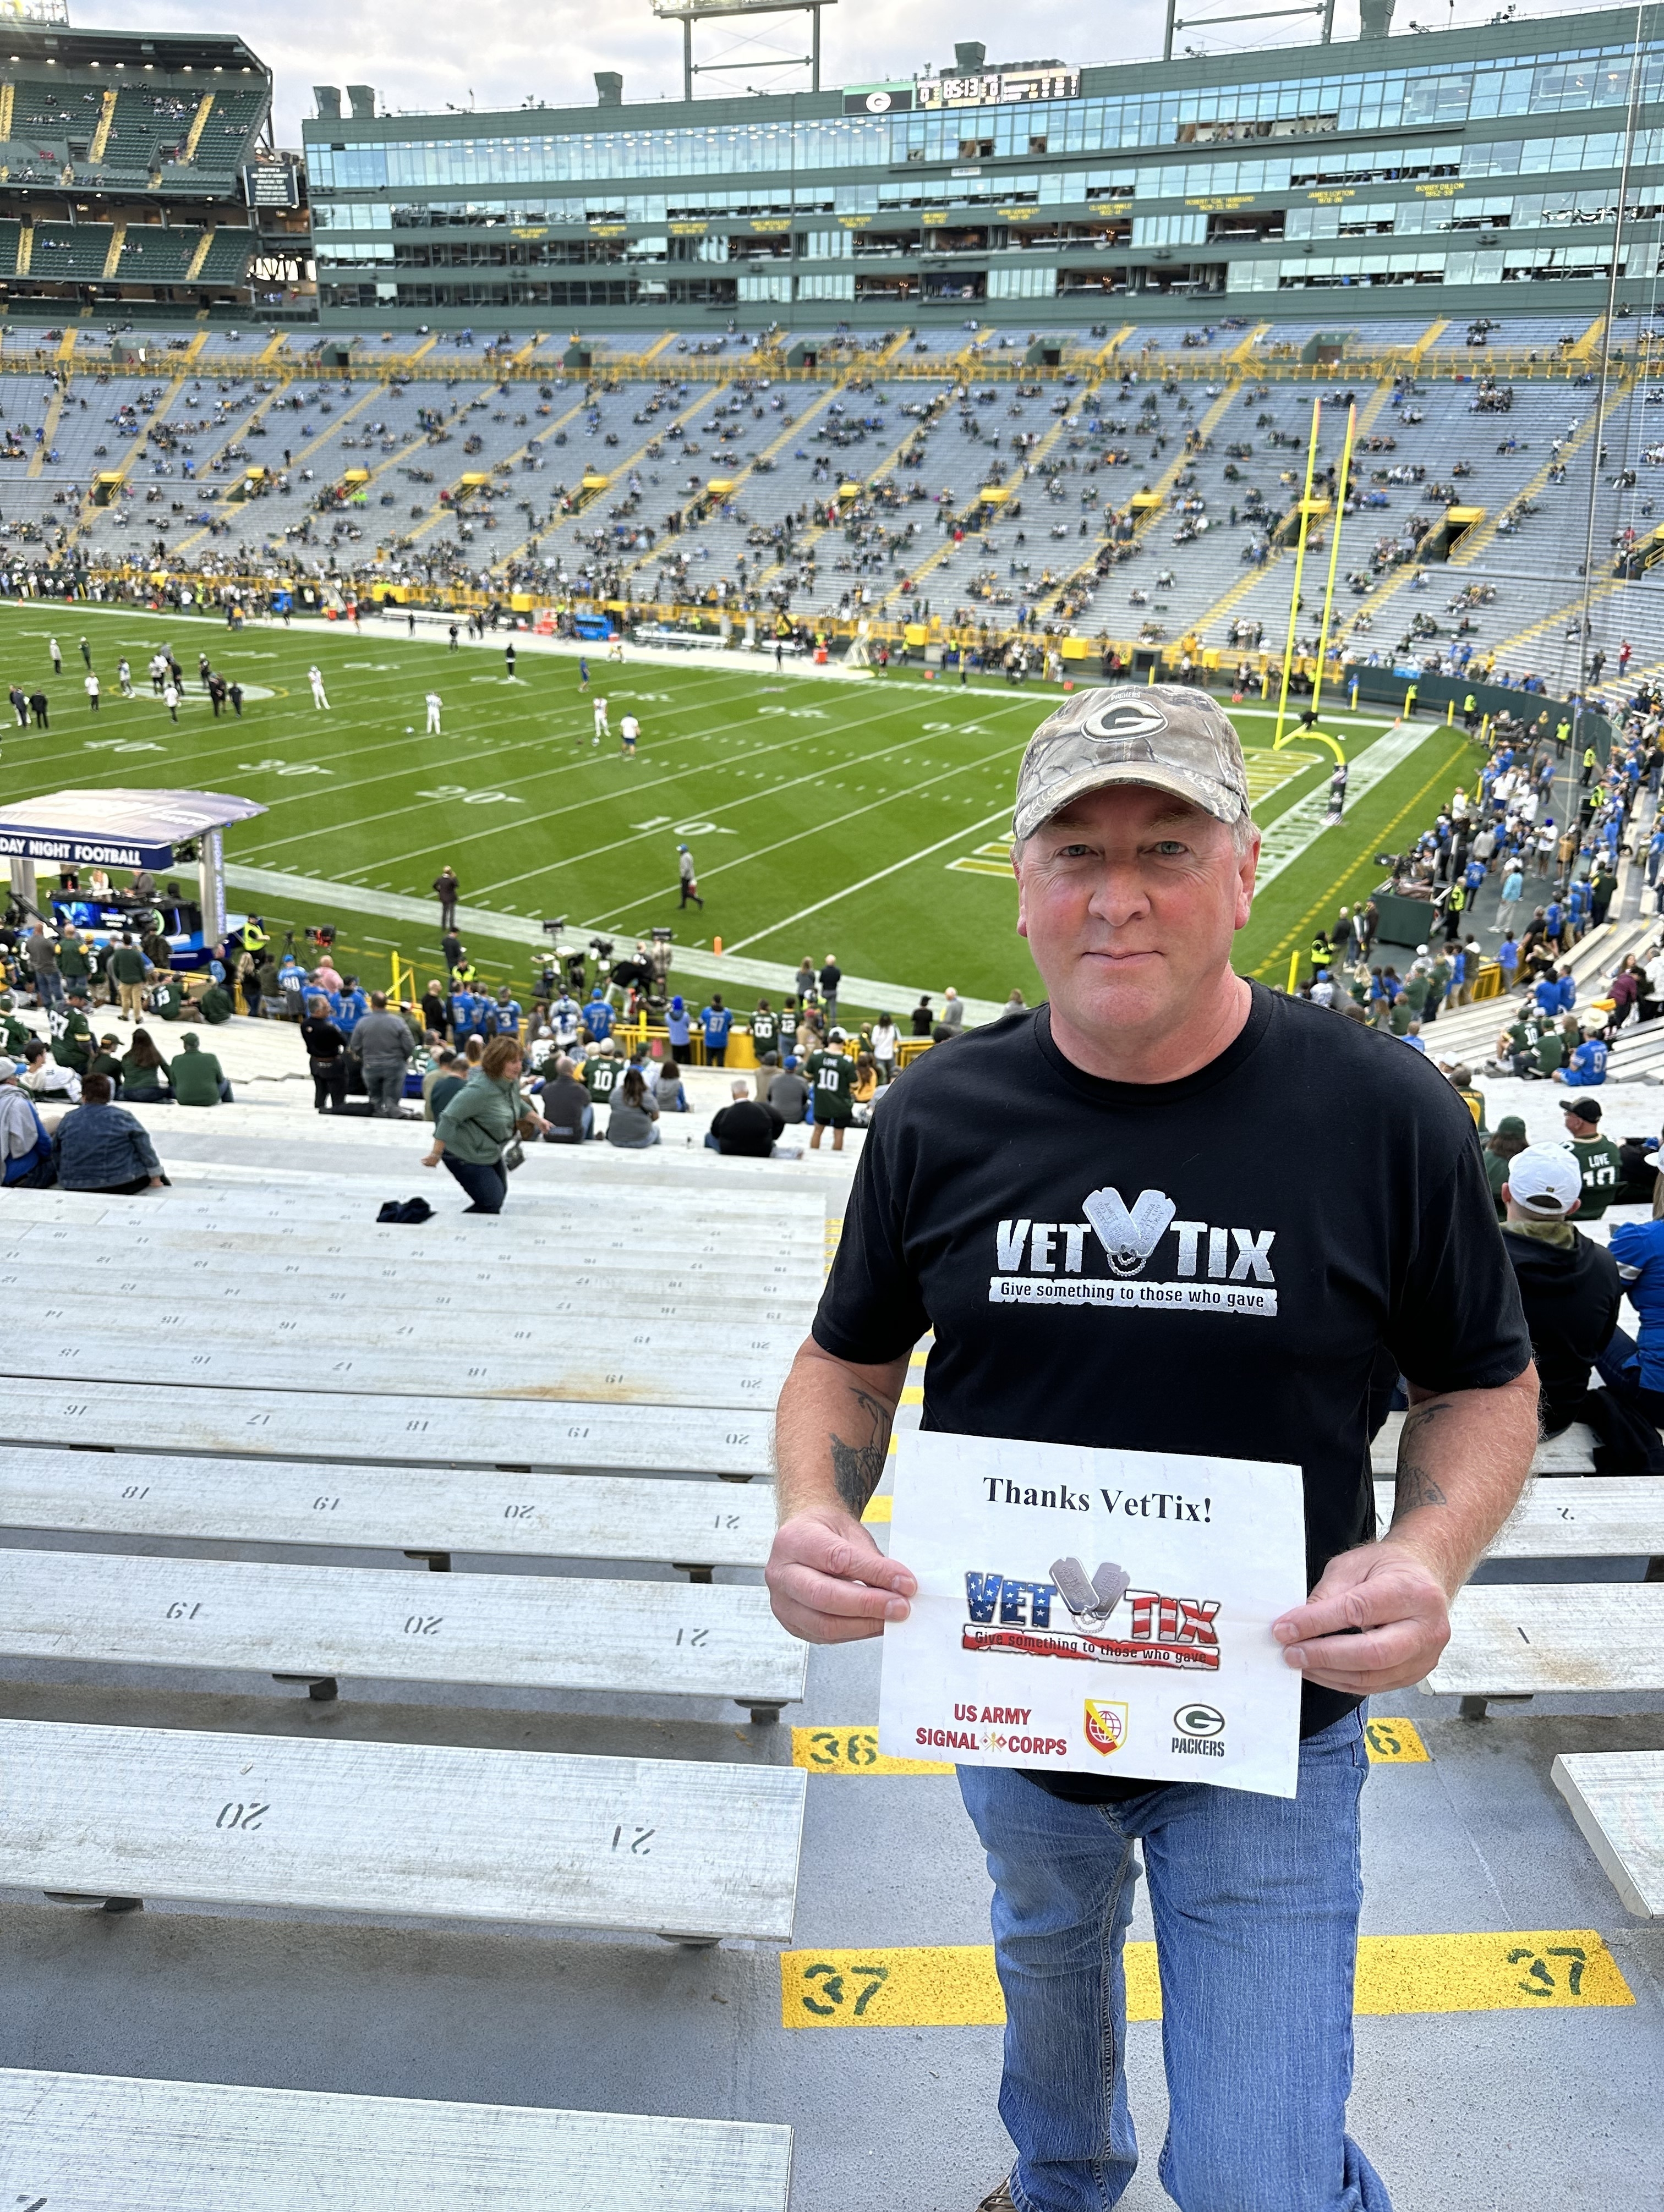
pixel 831 1083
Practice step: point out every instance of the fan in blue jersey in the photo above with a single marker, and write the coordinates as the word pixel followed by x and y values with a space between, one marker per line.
pixel 1586 1068
pixel 502 1014
pixel 598 1016
pixel 718 1021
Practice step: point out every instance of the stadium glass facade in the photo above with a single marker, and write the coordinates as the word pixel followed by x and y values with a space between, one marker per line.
pixel 1462 162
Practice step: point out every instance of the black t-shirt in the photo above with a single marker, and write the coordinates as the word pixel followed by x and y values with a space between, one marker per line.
pixel 1314 1194
pixel 746 1128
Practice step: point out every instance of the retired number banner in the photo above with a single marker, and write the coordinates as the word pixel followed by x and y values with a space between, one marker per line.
pixel 1096 1612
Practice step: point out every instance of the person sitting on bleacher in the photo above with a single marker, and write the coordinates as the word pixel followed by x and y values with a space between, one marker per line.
pixel 747 1129
pixel 1569 1287
pixel 26 1148
pixel 102 1147
pixel 47 1080
pixel 1632 1370
pixel 143 1070
pixel 197 1077
pixel 633 1123
pixel 566 1105
pixel 215 1005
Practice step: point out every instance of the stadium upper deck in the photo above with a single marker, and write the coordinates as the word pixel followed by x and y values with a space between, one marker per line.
pixel 122 165
pixel 1460 162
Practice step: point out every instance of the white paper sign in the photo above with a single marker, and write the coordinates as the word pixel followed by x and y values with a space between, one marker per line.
pixel 1094 1612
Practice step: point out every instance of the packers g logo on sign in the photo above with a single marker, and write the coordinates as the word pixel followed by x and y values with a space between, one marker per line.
pixel 1106 1726
pixel 1200 1720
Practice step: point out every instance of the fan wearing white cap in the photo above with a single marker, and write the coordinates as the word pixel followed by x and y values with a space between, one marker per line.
pixel 1544 1184
pixel 1569 1286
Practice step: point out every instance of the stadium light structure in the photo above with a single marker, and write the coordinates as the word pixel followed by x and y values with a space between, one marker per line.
pixel 1176 22
pixel 689 12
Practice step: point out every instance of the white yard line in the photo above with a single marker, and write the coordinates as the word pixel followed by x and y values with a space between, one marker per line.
pixel 1285 840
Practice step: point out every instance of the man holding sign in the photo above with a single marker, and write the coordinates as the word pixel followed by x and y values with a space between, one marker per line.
pixel 1170 1213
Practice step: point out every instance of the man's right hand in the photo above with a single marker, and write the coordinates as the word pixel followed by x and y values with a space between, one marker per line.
pixel 829 1583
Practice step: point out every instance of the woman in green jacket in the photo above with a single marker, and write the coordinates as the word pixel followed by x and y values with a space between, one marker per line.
pixel 474 1130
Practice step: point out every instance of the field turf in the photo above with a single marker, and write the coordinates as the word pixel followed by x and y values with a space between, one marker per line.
pixel 855 818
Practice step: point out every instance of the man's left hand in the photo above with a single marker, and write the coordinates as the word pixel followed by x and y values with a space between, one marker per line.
pixel 1377 1620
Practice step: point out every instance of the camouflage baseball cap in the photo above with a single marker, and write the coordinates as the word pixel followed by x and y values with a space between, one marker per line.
pixel 1165 735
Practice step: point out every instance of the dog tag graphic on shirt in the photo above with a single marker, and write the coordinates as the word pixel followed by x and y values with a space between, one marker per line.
pixel 1128 1236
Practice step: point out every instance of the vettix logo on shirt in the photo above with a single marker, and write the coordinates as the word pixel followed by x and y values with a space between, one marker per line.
pixel 1102 1260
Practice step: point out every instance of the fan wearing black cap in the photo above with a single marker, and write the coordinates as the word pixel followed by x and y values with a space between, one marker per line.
pixel 1599 1160
pixel 1250 1140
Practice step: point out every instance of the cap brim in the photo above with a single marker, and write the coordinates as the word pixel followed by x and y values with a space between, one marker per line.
pixel 1215 798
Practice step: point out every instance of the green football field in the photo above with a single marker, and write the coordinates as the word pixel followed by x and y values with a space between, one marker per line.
pixel 863 820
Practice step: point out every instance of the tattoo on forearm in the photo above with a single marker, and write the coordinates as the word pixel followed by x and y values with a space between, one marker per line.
pixel 1416 1486
pixel 1420 1417
pixel 857 1469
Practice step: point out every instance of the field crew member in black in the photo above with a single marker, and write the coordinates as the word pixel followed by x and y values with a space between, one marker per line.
pixel 1297 1195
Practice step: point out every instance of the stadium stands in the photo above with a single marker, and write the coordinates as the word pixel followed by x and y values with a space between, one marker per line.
pixel 315 1399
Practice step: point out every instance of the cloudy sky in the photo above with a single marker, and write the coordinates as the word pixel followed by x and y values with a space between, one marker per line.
pixel 420 54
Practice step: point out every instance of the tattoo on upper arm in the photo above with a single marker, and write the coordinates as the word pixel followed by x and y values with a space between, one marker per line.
pixel 858 1469
pixel 1416 1486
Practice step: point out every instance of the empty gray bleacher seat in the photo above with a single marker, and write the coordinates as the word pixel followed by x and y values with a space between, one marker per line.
pixel 404 1357
pixel 362 1426
pixel 1524 1639
pixel 315 1624
pixel 71 2142
pixel 427 1512
pixel 683 1849
pixel 1590 1518
pixel 1617 1798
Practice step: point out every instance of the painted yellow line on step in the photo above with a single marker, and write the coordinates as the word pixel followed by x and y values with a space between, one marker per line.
pixel 912 1394
pixel 955 1985
pixel 853 1749
pixel 1393 1742
pixel 878 1509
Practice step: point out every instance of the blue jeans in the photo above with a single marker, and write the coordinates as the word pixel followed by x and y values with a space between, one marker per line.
pixel 1256 1902
pixel 485 1182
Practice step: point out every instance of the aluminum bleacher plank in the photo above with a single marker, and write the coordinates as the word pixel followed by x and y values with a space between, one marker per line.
pixel 1570 1452
pixel 629 1276
pixel 528 1631
pixel 368 1426
pixel 1518 1639
pixel 401 1359
pixel 1588 1517
pixel 400 1509
pixel 1617 1798
pixel 657 1847
pixel 91 2142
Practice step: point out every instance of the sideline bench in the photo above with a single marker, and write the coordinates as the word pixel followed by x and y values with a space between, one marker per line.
pixel 314 1623
pixel 1617 1798
pixel 362 1427
pixel 1519 1639
pixel 425 1512
pixel 682 1848
pixel 91 2142
pixel 1591 1517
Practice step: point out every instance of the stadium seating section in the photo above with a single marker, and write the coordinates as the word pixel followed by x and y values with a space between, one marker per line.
pixel 306 1470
